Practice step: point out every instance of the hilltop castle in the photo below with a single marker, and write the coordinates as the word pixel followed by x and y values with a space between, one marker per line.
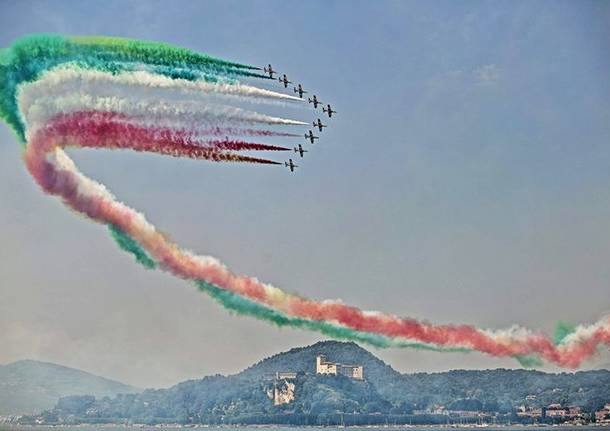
pixel 283 388
pixel 334 368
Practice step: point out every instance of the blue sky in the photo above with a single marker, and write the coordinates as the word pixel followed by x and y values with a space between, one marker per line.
pixel 465 179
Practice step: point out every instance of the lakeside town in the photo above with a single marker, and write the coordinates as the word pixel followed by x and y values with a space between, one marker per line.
pixel 283 392
pixel 313 389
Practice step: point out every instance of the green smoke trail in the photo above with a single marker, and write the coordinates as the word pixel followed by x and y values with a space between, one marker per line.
pixel 127 243
pixel 562 330
pixel 243 306
pixel 27 58
pixel 528 361
pixel 158 54
pixel 149 52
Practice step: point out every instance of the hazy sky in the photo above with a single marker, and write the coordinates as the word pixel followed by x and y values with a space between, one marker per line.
pixel 465 179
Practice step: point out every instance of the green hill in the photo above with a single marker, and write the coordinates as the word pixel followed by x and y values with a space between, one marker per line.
pixel 303 359
pixel 384 396
pixel 29 386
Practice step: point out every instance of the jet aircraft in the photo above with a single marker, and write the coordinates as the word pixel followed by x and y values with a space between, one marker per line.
pixel 290 164
pixel 300 150
pixel 299 90
pixel 310 136
pixel 284 80
pixel 329 111
pixel 269 70
pixel 319 124
pixel 315 101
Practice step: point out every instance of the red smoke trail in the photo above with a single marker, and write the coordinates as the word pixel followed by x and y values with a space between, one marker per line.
pixel 77 192
pixel 236 145
pixel 235 131
pixel 57 175
pixel 109 116
pixel 103 131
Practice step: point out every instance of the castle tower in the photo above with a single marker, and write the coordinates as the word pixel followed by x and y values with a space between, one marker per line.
pixel 351 371
pixel 320 359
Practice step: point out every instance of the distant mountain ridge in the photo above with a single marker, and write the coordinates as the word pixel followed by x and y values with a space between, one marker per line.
pixel 384 395
pixel 29 386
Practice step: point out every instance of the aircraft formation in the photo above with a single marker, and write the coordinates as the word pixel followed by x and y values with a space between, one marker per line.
pixel 317 124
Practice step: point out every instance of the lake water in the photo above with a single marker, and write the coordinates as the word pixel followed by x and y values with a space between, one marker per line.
pixel 283 428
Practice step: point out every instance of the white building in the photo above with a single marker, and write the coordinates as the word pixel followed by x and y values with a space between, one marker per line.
pixel 334 368
pixel 281 393
pixel 285 375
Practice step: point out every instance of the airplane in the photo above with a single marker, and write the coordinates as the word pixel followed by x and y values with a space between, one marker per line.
pixel 269 70
pixel 310 136
pixel 329 110
pixel 319 124
pixel 300 150
pixel 290 164
pixel 299 90
pixel 284 80
pixel 315 101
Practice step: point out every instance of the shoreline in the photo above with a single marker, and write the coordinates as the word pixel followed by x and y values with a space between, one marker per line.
pixel 288 427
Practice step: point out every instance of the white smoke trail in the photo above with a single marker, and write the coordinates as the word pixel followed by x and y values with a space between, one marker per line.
pixel 69 79
pixel 584 332
pixel 159 112
pixel 505 336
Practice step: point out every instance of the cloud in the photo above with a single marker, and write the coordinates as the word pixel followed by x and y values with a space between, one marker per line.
pixel 487 75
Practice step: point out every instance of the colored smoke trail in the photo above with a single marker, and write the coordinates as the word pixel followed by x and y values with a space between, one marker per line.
pixel 99 130
pixel 110 93
pixel 233 131
pixel 142 84
pixel 161 112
